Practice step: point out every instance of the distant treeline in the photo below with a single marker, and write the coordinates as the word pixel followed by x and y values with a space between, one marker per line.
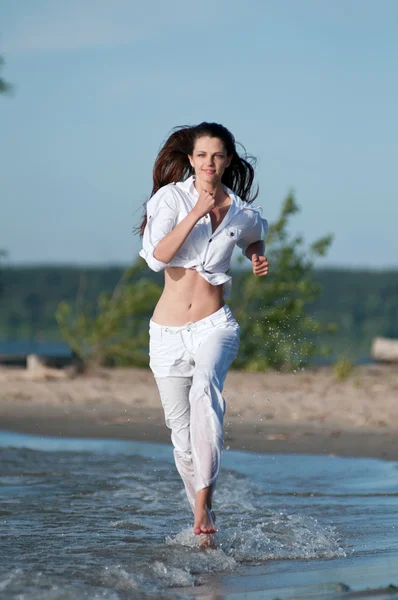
pixel 363 304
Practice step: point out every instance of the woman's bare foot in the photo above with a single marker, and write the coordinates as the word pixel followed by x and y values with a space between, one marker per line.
pixel 204 516
pixel 203 521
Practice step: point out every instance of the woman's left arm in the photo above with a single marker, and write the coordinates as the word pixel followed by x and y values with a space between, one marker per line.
pixel 252 243
pixel 255 253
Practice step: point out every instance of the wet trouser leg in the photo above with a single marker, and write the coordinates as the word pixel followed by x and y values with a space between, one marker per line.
pixel 212 361
pixel 190 364
pixel 174 394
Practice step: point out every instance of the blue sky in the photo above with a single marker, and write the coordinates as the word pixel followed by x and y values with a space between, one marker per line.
pixel 310 88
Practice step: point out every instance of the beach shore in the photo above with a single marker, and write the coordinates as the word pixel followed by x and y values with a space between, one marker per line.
pixel 307 412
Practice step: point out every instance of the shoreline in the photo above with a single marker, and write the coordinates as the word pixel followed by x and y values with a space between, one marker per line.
pixel 282 438
pixel 304 413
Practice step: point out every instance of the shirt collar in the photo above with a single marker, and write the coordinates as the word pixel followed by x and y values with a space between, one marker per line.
pixel 189 186
pixel 237 204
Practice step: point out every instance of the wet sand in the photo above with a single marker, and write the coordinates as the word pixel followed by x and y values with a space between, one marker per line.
pixel 308 412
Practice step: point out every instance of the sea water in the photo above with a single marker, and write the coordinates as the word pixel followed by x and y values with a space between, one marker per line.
pixel 109 519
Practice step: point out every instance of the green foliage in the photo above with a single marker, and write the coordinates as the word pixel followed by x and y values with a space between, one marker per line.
pixel 114 331
pixel 277 328
pixel 3 256
pixel 343 367
pixel 362 303
pixel 277 331
pixel 4 86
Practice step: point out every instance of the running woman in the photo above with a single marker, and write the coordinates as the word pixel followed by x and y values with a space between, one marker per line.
pixel 200 208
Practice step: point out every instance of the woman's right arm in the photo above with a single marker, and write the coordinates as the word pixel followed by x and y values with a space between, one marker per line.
pixel 168 247
pixel 162 237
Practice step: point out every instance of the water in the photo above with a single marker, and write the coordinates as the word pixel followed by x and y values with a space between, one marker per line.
pixel 61 350
pixel 108 519
pixel 42 348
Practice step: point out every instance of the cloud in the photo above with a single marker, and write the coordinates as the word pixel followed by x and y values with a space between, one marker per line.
pixel 48 25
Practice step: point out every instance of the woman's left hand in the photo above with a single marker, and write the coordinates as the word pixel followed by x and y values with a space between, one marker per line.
pixel 260 265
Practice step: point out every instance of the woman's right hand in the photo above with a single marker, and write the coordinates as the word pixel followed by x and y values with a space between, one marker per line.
pixel 206 202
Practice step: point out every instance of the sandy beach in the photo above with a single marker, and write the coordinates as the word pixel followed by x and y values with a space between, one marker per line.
pixel 316 526
pixel 309 411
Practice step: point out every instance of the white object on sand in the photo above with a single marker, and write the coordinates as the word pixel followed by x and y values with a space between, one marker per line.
pixel 36 369
pixel 385 349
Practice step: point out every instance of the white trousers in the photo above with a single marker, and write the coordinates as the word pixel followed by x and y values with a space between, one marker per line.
pixel 190 364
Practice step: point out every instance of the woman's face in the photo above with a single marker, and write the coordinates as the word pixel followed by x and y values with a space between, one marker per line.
pixel 209 159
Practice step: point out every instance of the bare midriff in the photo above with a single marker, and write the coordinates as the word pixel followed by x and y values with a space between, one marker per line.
pixel 187 297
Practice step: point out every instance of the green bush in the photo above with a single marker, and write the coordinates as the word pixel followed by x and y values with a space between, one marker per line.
pixel 343 367
pixel 277 328
pixel 115 330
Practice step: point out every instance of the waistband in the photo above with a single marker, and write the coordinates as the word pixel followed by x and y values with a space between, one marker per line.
pixel 222 315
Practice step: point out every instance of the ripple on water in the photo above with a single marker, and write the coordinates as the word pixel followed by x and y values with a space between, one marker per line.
pixel 115 525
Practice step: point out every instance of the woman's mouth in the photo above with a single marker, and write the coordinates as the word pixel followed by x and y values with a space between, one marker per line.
pixel 209 171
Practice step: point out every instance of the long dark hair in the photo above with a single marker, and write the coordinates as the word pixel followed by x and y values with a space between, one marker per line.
pixel 172 163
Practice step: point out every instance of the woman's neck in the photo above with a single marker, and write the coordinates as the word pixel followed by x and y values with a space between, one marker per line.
pixel 216 188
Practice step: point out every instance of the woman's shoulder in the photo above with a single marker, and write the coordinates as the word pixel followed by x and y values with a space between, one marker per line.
pixel 250 216
pixel 165 193
pixel 247 211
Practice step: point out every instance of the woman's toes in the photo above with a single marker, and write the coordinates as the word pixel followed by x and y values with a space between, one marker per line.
pixel 205 522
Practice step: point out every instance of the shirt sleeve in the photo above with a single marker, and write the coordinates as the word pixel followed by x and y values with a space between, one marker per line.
pixel 255 231
pixel 161 219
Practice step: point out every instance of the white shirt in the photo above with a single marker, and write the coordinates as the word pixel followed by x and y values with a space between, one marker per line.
pixel 206 251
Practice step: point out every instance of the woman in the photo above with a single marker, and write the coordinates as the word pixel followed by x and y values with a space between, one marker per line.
pixel 199 209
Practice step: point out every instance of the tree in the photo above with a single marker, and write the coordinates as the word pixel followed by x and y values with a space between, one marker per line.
pixel 277 329
pixel 4 86
pixel 33 310
pixel 3 256
pixel 115 330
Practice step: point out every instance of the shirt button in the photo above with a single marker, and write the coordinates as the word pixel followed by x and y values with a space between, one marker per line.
pixel 209 240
